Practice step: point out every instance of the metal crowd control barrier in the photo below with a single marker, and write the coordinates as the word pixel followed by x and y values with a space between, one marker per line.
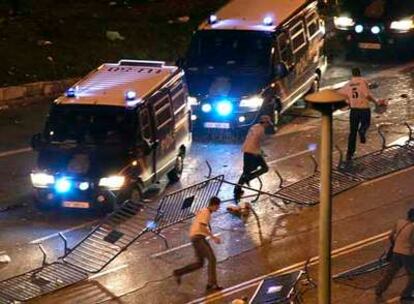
pixel 39 282
pixel 348 175
pixel 183 204
pixel 107 241
pixel 306 191
pixel 362 269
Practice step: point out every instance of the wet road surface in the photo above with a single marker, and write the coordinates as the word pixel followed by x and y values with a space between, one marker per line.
pixel 283 235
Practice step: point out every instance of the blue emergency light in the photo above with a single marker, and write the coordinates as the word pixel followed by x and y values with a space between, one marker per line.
pixel 63 185
pixel 224 108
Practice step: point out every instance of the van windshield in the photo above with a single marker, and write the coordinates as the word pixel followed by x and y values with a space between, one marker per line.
pixel 91 125
pixel 379 9
pixel 230 51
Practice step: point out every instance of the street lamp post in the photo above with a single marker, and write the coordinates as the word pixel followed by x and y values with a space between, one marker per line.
pixel 326 102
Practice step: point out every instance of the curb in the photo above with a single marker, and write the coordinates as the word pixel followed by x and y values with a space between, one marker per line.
pixel 15 94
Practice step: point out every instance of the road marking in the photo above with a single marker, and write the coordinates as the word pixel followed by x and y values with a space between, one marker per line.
pixel 289 156
pixel 14 152
pixel 155 255
pixel 100 274
pixel 63 232
pixel 298 266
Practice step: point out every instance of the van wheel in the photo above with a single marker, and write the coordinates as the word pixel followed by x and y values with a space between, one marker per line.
pixel 175 174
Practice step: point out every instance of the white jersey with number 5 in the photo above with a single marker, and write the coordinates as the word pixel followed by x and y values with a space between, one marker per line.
pixel 357 91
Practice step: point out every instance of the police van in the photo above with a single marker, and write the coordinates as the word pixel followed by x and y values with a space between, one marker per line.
pixel 376 26
pixel 252 58
pixel 115 132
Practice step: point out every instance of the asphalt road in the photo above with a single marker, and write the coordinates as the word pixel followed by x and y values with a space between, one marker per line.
pixel 281 239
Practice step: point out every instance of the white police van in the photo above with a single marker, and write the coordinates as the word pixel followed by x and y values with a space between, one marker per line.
pixel 253 58
pixel 112 134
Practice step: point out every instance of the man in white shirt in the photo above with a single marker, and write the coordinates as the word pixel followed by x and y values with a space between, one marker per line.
pixel 199 231
pixel 402 236
pixel 254 163
pixel 358 97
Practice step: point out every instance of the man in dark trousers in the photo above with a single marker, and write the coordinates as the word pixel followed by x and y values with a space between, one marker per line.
pixel 402 236
pixel 199 231
pixel 358 97
pixel 254 163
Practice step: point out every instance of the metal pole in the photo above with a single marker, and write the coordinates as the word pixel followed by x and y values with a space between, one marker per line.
pixel 325 212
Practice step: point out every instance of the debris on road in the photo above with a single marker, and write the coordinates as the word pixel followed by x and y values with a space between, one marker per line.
pixel 4 258
pixel 114 35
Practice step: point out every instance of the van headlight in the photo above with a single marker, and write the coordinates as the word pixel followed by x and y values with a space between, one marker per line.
pixel 193 101
pixel 251 102
pixel 114 182
pixel 42 180
pixel 343 22
pixel 403 25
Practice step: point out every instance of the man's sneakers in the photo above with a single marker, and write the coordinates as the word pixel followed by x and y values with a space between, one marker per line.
pixel 177 277
pixel 213 288
pixel 362 138
pixel 238 193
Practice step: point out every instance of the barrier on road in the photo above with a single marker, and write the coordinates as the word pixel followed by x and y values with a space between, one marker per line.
pixel 347 175
pixel 282 289
pixel 39 282
pixel 183 204
pixel 362 269
pixel 107 241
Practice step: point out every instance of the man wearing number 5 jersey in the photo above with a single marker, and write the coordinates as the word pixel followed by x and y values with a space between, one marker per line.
pixel 358 97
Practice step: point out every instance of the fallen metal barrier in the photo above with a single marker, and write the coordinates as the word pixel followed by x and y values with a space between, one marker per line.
pixel 362 269
pixel 114 235
pixel 350 174
pixel 306 191
pixel 183 204
pixel 107 241
pixel 39 282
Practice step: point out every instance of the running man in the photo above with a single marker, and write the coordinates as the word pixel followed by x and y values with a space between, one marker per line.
pixel 358 97
pixel 254 163
pixel 199 231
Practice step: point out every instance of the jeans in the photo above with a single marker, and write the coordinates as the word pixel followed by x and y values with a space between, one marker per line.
pixel 202 250
pixel 359 122
pixel 253 166
pixel 398 261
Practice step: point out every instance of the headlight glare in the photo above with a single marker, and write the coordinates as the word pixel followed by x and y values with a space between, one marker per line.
pixel 114 182
pixel 343 22
pixel 42 180
pixel 252 102
pixel 402 25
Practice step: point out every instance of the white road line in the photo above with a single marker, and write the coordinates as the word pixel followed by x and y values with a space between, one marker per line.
pixel 14 152
pixel 155 255
pixel 92 277
pixel 313 261
pixel 289 156
pixel 63 232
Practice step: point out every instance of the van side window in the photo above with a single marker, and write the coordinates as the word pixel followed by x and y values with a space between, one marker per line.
pixel 163 114
pixel 312 24
pixel 285 50
pixel 298 37
pixel 145 124
pixel 178 97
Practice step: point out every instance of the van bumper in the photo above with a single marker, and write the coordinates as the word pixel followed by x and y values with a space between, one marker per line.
pixel 93 198
pixel 210 121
